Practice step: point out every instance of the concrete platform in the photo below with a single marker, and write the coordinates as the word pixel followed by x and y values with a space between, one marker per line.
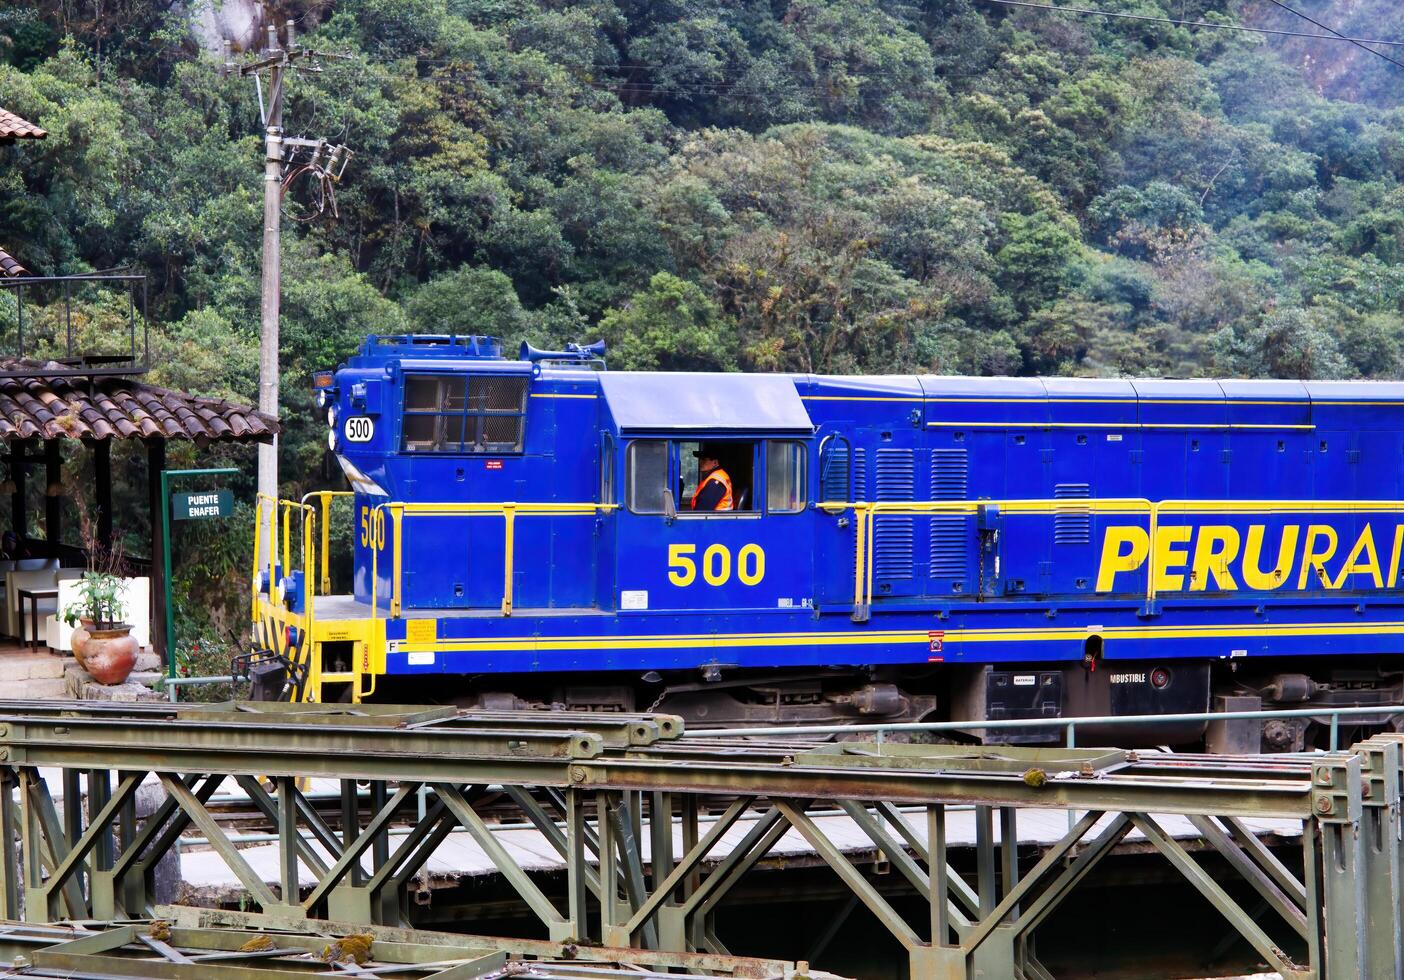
pixel 33 674
pixel 39 674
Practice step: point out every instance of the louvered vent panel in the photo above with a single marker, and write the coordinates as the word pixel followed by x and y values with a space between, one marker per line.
pixel 834 473
pixel 949 534
pixel 860 485
pixel 1073 524
pixel 893 537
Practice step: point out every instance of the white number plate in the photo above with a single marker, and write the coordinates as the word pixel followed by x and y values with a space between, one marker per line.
pixel 359 429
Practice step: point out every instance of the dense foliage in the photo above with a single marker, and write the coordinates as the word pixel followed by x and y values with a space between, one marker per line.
pixel 803 185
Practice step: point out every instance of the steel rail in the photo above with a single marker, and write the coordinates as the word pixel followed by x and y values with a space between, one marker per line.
pixel 318 744
pixel 1068 724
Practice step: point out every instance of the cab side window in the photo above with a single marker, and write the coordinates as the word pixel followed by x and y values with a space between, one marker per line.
pixel 784 477
pixel 647 476
pixel 729 465
pixel 715 477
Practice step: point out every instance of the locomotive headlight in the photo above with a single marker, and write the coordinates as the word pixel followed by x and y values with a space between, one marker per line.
pixel 331 439
pixel 331 416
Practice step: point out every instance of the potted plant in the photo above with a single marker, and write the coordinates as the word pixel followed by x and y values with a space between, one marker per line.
pixel 102 643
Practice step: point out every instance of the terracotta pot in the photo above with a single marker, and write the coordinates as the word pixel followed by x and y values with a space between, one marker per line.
pixel 110 655
pixel 81 632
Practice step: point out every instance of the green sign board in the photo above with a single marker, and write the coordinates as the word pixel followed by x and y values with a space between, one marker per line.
pixel 201 504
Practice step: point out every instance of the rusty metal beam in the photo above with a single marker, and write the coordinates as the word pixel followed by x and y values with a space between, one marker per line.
pixel 582 783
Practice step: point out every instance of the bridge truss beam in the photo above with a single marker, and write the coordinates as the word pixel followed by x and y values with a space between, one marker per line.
pixel 654 833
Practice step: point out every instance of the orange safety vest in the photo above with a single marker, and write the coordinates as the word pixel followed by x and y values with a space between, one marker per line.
pixel 718 474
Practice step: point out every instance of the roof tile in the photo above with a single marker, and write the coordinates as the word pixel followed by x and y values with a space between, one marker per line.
pixel 12 127
pixel 103 407
pixel 9 266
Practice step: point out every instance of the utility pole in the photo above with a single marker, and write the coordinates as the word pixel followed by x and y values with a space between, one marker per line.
pixel 268 377
pixel 323 160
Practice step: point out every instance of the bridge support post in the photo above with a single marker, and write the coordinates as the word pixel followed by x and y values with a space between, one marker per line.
pixel 1381 852
pixel 1337 804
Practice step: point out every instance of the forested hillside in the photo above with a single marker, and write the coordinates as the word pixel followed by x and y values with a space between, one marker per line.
pixel 825 185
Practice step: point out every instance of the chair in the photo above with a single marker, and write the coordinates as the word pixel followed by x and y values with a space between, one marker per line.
pixel 7 566
pixel 28 578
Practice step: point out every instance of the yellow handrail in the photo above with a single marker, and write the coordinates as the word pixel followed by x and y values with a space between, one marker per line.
pixel 398 516
pixel 509 511
pixel 866 514
pixel 324 500
pixel 509 515
pixel 309 562
pixel 280 515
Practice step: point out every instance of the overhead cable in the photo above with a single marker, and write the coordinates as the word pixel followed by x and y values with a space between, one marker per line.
pixel 1358 42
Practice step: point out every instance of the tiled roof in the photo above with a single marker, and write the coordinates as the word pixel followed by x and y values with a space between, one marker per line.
pixel 12 127
pixel 10 267
pixel 106 407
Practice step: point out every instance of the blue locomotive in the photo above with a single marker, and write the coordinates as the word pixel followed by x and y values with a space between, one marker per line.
pixel 895 548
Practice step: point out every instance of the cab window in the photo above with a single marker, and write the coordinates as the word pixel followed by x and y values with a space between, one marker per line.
pixel 784 477
pixel 735 465
pixel 464 413
pixel 715 476
pixel 647 476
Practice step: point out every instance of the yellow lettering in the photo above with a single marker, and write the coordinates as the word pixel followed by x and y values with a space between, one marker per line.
pixel 1216 546
pixel 1364 546
pixel 1314 559
pixel 1394 555
pixel 1253 575
pixel 1124 549
pixel 682 570
pixel 1167 557
pixel 716 565
pixel 750 564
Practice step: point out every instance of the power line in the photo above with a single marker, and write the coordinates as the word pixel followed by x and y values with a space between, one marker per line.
pixel 1355 41
pixel 1091 11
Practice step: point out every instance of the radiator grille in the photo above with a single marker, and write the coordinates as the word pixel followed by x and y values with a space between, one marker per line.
pixel 893 537
pixel 1072 523
pixel 949 533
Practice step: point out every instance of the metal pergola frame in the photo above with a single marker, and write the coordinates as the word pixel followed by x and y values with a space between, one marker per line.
pixel 79 364
pixel 610 793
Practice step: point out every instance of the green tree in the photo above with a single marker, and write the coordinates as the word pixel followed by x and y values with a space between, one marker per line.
pixel 469 300
pixel 673 325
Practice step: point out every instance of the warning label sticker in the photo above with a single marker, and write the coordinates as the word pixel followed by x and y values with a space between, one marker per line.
pixel 421 631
